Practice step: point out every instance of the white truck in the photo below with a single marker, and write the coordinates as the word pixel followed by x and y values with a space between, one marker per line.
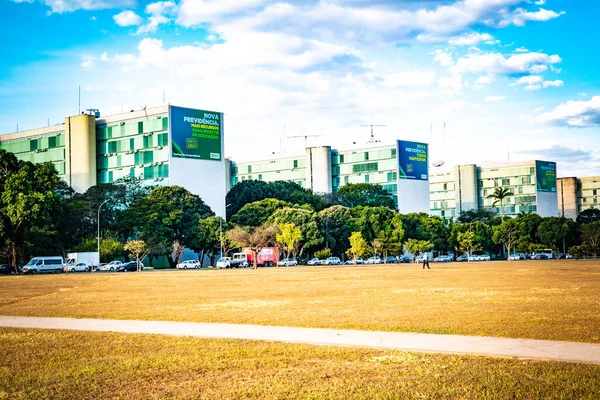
pixel 91 259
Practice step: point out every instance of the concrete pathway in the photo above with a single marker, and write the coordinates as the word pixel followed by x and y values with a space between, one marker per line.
pixel 450 344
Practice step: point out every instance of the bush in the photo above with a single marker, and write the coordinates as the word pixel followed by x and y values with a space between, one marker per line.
pixel 323 254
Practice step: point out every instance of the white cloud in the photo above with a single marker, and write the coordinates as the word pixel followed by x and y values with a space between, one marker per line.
pixel 104 57
pixel 127 18
pixel 443 58
pixel 522 50
pixel 575 114
pixel 452 83
pixel 471 39
pixel 556 83
pixel 483 80
pixel 87 62
pixel 63 6
pixel 521 16
pixel 496 63
pixel 540 2
pixel 410 78
pixel 532 82
pixel 494 99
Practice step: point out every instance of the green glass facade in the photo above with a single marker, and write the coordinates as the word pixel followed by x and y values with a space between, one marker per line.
pixel 135 148
pixel 44 147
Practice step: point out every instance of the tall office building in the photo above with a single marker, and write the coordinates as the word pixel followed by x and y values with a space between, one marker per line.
pixel 164 145
pixel 577 194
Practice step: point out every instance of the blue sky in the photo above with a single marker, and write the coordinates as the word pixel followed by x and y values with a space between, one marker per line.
pixel 516 77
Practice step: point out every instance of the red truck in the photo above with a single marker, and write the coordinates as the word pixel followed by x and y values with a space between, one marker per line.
pixel 267 257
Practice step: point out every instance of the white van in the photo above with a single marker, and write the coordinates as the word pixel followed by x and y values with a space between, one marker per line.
pixel 44 264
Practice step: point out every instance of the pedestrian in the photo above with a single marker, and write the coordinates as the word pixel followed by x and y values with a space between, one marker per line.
pixel 426 260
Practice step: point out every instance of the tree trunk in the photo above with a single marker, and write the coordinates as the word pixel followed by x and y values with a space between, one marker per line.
pixel 254 261
pixel 13 256
pixel 172 263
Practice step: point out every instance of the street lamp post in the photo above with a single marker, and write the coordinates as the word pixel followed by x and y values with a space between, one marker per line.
pixel 104 202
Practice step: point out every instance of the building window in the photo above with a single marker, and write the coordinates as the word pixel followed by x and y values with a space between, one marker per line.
pixel 132 173
pixel 140 127
pixel 131 144
pixel 163 139
pixel 520 190
pixel 346 179
pixel 110 177
pixel 249 169
pixel 369 167
pixel 595 192
pixel 366 156
pixel 393 155
pixel 33 145
pixel 366 178
pixel 392 176
pixel 505 182
pixel 341 158
pixel 295 163
pixel 52 142
pixel 260 177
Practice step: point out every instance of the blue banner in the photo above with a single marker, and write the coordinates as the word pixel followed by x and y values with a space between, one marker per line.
pixel 413 160
pixel 196 133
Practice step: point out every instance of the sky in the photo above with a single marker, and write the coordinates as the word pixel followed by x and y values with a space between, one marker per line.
pixel 482 81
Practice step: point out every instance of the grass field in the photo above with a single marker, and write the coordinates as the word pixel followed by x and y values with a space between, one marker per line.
pixel 77 365
pixel 542 300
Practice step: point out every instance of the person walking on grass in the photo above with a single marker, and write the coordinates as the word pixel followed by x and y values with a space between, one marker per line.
pixel 426 260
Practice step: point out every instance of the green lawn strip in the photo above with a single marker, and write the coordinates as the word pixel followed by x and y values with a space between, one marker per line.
pixel 90 365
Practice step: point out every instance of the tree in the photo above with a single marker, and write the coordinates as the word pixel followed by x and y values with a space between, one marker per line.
pixel 590 235
pixel 499 195
pixel 482 235
pixel 476 215
pixel 306 220
pixel 289 238
pixel 177 250
pixel 336 226
pixel 415 247
pixel 372 220
pixel 323 254
pixel 587 216
pixel 250 191
pixel 257 213
pixel 553 231
pixel 138 250
pixel 29 202
pixel 211 233
pixel 421 226
pixel 256 240
pixel 358 246
pixel 366 195
pixel 509 233
pixel 168 214
pixel 467 243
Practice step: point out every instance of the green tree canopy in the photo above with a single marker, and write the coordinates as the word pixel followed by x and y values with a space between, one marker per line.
pixel 372 220
pixel 250 191
pixel 589 215
pixel 509 233
pixel 500 193
pixel 421 226
pixel 590 235
pixel 358 246
pixel 306 220
pixel 337 224
pixel 168 214
pixel 553 230
pixel 258 212
pixel 364 194
pixel 290 237
pixel 414 246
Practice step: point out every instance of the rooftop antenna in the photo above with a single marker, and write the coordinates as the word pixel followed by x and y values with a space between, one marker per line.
pixel 372 138
pixel 145 112
pixel 305 136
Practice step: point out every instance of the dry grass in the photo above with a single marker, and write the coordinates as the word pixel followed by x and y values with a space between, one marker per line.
pixel 78 365
pixel 541 300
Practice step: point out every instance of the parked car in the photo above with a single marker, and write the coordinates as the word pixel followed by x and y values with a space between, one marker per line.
pixel 405 259
pixel 224 262
pixel 462 258
pixel 189 264
pixel 314 261
pixel 390 260
pixel 485 257
pixel 539 256
pixel 130 266
pixel 515 257
pixel 99 267
pixel 373 260
pixel 6 269
pixel 44 264
pixel 332 261
pixel 355 261
pixel 442 259
pixel 287 262
pixel 112 266
pixel 79 267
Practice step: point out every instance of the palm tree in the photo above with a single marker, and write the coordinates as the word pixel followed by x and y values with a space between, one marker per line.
pixel 499 195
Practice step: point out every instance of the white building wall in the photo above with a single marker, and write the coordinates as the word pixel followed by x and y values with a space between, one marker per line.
pixel 318 169
pixel 413 196
pixel 467 193
pixel 547 204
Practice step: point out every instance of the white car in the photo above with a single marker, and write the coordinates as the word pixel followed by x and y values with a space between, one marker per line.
pixel 373 260
pixel 314 261
pixel 79 267
pixel 189 264
pixel 332 261
pixel 356 261
pixel 224 262
pixel 287 262
pixel 442 259
pixel 112 266
pixel 515 257
pixel 485 258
